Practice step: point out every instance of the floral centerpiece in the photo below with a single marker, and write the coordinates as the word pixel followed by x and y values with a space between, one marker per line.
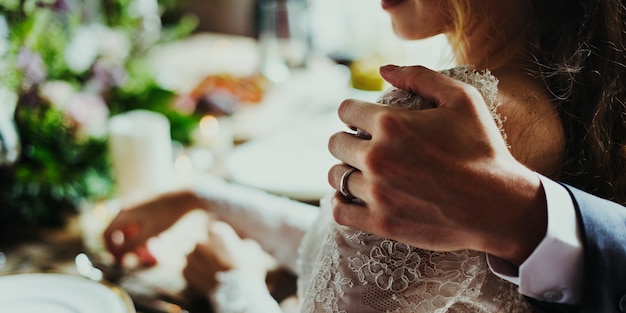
pixel 66 66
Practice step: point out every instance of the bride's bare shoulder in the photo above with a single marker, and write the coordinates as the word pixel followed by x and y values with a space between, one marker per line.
pixel 531 121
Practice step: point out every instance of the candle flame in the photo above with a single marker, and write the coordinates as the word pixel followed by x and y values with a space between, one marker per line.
pixel 209 125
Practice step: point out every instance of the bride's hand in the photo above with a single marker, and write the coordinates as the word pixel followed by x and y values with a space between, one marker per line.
pixel 439 179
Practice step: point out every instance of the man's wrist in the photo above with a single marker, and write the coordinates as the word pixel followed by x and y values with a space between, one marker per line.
pixel 553 270
pixel 520 221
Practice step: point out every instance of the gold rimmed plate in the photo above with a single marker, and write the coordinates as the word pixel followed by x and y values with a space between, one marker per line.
pixel 60 293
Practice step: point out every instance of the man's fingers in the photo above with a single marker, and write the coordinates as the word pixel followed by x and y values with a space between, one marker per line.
pixel 441 89
pixel 445 92
pixel 358 114
pixel 354 184
pixel 348 148
pixel 349 214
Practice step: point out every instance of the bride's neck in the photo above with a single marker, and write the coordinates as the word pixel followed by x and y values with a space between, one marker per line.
pixel 498 37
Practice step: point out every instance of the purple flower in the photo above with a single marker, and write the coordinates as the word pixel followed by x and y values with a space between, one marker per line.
pixel 58 5
pixel 89 112
pixel 106 74
pixel 32 66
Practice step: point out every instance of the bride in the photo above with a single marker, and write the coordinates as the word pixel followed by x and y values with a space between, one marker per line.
pixel 345 270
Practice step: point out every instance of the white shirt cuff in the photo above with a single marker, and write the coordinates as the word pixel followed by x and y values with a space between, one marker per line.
pixel 553 271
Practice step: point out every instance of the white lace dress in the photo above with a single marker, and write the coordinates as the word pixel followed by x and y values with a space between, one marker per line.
pixel 346 270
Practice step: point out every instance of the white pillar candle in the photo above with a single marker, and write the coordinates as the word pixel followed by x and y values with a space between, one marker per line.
pixel 141 153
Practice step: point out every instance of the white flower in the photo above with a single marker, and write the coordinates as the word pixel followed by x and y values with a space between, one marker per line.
pixel 93 41
pixel 58 93
pixel 143 8
pixel 89 112
pixel 114 45
pixel 83 49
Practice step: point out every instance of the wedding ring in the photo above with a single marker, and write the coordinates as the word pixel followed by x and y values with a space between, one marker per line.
pixel 362 134
pixel 343 184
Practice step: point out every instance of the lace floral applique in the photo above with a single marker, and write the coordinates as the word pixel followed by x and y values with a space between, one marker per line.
pixel 324 284
pixel 391 265
pixel 345 270
pixel 328 284
pixel 396 277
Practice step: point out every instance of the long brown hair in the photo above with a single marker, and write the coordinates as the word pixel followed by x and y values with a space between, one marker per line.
pixel 581 53
pixel 461 16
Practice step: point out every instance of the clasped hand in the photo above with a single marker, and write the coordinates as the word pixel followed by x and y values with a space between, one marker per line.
pixel 439 179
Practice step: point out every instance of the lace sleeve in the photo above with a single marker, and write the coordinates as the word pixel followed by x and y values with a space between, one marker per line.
pixel 238 292
pixel 276 223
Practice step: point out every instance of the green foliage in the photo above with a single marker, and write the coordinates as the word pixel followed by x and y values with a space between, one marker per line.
pixel 60 165
pixel 55 170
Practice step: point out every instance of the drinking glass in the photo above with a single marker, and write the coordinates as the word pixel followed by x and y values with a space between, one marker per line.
pixel 284 38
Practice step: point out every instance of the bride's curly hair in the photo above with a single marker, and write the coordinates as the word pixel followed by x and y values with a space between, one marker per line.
pixel 581 57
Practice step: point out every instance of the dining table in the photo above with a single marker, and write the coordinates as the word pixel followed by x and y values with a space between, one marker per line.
pixel 59 251
pixel 300 110
pixel 293 122
pixel 156 289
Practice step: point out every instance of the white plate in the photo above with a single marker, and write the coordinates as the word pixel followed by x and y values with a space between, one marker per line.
pixel 293 163
pixel 60 293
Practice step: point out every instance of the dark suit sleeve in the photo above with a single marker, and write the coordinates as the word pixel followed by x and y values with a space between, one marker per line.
pixel 603 231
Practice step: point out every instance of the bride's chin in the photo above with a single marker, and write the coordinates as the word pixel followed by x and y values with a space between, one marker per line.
pixel 405 32
pixel 390 4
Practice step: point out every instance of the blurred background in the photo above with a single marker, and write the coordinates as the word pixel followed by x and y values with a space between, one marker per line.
pixel 104 103
pixel 82 81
